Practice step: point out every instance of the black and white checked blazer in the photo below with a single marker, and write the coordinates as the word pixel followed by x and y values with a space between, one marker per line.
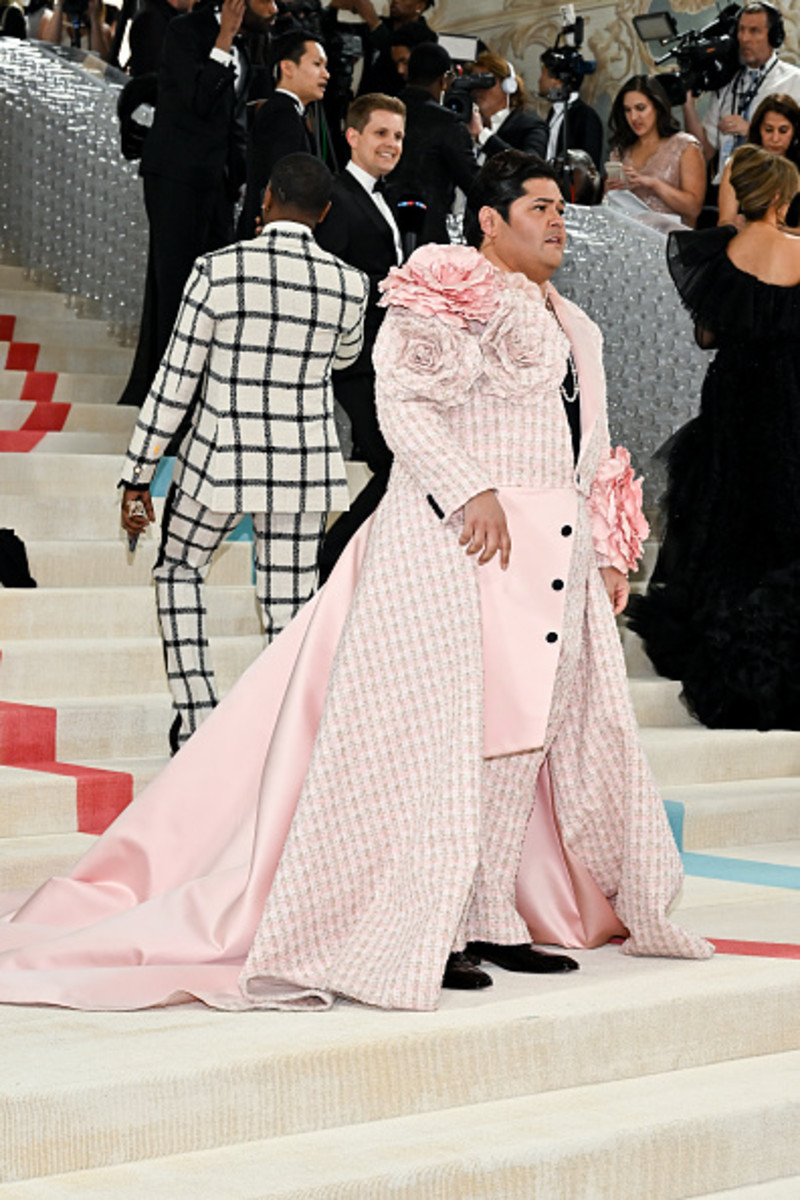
pixel 262 325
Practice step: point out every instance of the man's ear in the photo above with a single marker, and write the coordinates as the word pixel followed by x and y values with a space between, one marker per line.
pixel 489 219
pixel 266 203
pixel 350 135
pixel 324 213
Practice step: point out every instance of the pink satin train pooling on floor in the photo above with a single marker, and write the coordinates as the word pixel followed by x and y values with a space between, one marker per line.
pixel 165 905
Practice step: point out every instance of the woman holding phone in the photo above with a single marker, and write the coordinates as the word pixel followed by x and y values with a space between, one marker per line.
pixel 661 165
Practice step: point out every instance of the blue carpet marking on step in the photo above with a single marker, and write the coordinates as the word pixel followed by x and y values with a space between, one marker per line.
pixel 160 486
pixel 675 815
pixel 741 870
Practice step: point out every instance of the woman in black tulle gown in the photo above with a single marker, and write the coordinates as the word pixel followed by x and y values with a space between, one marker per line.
pixel 722 612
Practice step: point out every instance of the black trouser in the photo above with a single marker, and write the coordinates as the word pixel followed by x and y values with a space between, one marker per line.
pixel 356 394
pixel 186 220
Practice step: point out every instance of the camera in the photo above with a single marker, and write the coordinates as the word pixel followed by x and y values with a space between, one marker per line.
pixel 706 59
pixel 564 59
pixel 458 97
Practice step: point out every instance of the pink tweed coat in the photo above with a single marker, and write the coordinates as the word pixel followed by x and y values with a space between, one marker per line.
pixel 406 840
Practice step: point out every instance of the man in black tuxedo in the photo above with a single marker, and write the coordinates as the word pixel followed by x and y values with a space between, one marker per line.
pixel 560 84
pixel 360 228
pixel 438 152
pixel 281 126
pixel 192 165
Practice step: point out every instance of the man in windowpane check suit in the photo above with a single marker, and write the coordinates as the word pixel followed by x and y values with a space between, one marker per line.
pixel 262 324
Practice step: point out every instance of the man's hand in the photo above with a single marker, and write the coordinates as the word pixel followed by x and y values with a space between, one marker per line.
pixel 485 529
pixel 734 124
pixel 476 125
pixel 230 20
pixel 131 523
pixel 617 588
pixel 362 8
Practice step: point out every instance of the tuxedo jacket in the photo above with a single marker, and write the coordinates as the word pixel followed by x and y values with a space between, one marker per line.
pixel 278 130
pixel 521 130
pixel 199 133
pixel 584 131
pixel 261 327
pixel 356 231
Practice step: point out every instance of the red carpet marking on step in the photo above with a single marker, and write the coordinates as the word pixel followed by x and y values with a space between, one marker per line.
pixel 27 733
pixel 22 356
pixel 39 385
pixel 19 441
pixel 28 742
pixel 47 417
pixel 7 324
pixel 756 949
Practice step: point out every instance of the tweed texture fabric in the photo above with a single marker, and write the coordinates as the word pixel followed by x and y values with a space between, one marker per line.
pixel 262 325
pixel 405 841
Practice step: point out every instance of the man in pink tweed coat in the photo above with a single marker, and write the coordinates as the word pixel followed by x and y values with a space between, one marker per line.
pixel 439 754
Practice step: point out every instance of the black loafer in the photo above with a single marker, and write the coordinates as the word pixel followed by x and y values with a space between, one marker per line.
pixel 464 976
pixel 521 958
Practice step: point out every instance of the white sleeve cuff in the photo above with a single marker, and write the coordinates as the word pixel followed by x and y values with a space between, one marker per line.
pixel 221 56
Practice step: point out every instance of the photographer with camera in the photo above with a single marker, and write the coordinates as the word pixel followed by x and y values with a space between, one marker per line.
pixel 560 82
pixel 79 17
pixel 438 152
pixel 759 33
pixel 506 121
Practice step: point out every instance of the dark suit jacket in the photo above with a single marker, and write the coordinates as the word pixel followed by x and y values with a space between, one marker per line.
pixel 584 131
pixel 438 157
pixel 355 231
pixel 147 33
pixel 521 130
pixel 278 130
pixel 199 134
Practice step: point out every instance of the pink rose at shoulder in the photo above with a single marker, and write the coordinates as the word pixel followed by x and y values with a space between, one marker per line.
pixel 525 351
pixel 619 526
pixel 425 360
pixel 454 283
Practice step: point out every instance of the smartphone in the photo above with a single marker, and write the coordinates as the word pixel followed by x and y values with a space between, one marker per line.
pixel 615 171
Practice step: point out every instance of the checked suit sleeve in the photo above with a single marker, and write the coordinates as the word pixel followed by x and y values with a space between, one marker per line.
pixel 351 339
pixel 176 380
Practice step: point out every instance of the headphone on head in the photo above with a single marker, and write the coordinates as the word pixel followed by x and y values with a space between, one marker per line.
pixel 776 30
pixel 510 85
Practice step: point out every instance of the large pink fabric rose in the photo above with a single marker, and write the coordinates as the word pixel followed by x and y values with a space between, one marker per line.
pixel 524 348
pixel 615 506
pixel 454 283
pixel 426 360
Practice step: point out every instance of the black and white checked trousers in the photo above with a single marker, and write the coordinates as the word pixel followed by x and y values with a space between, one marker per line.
pixel 286 546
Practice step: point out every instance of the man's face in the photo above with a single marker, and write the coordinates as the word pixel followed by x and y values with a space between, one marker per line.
pixel 490 100
pixel 308 78
pixel 533 238
pixel 379 145
pixel 753 35
pixel 547 83
pixel 406 10
pixel 400 57
pixel 259 14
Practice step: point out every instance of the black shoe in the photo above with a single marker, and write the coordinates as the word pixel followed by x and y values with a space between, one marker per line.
pixel 463 976
pixel 522 958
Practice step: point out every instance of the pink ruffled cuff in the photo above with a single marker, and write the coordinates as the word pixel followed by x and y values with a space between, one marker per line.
pixel 615 508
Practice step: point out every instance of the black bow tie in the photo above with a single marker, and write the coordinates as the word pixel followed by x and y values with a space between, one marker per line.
pixel 379 186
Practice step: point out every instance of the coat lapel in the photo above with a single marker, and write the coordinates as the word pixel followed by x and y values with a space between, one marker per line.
pixel 367 206
pixel 583 337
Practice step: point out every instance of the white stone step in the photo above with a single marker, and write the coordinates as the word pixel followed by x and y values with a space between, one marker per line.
pixel 16 279
pixel 741 812
pixel 190 1079
pixel 30 613
pixel 60 475
pixel 82 443
pixel 37 304
pixel 70 387
pixel 657 702
pixel 67 564
pixel 110 359
pixel 73 518
pixel 26 862
pixel 81 418
pixel 112 666
pixel 777 1189
pixel 662 1137
pixel 636 660
pixel 697 755
pixel 36 803
pixel 61 330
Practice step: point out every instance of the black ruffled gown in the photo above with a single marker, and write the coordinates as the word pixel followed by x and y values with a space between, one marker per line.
pixel 722 612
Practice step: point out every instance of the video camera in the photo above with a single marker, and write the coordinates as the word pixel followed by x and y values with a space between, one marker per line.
pixel 564 59
pixel 458 97
pixel 707 59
